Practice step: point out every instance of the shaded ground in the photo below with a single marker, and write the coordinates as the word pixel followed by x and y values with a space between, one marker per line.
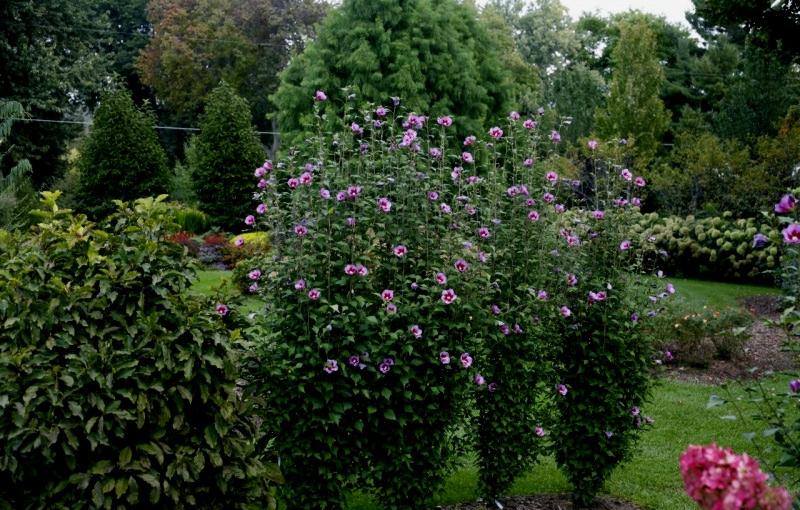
pixel 762 352
pixel 544 502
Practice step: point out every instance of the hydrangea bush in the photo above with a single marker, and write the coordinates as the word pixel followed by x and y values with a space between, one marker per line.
pixel 426 293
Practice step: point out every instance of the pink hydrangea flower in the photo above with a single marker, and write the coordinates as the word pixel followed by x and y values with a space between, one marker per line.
pixel 448 296
pixel 314 294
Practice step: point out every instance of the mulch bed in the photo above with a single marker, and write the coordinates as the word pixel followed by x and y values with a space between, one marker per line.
pixel 544 502
pixel 762 351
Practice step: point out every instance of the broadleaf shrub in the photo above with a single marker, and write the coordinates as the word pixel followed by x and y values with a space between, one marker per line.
pixel 118 389
pixel 418 280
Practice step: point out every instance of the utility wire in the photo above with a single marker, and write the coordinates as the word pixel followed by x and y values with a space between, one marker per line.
pixel 85 123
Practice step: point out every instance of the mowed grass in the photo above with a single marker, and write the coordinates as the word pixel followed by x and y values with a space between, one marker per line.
pixel 652 478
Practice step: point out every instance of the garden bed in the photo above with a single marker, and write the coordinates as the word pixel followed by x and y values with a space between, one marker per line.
pixel 544 502
pixel 762 351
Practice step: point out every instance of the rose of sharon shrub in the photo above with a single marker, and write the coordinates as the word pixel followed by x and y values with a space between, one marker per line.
pixel 718 479
pixel 410 269
pixel 117 388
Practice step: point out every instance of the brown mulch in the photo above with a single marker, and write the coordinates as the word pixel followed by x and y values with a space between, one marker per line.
pixel 762 351
pixel 544 502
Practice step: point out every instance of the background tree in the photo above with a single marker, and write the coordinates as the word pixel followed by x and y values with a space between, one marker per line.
pixel 577 92
pixel 436 56
pixel 634 107
pixel 223 156
pixel 52 67
pixel 121 158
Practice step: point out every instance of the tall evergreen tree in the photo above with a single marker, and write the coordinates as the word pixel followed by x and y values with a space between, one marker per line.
pixel 121 158
pixel 634 107
pixel 223 156
pixel 435 55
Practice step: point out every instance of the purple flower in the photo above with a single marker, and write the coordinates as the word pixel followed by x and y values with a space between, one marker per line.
pixel 791 234
pixel 492 387
pixel 353 192
pixel 529 124
pixel 461 265
pixel 293 182
pixel 341 196
pixel 433 196
pixel 350 269
pixel 222 309
pixel 595 297
pixel 470 140
pixel 381 111
pixel 356 129
pixel 635 411
pixel 640 182
pixel 400 250
pixel 527 163
pixel 533 215
pixel 626 174
pixel 389 361
pixel 551 177
pixel 542 295
pixel 448 296
pixel 408 138
pixel 555 136
pixel 445 208
pixel 572 280
pixel 361 270
pixel 262 184
pixel 250 220
pixel 314 294
pixel 467 157
pixel 517 329
pixel 441 278
pixel 456 173
pixel 300 231
pixel 625 245
pixel 559 208
pixel 760 241
pixel 300 284
pixel 254 275
pixel 504 329
pixel 444 358
pixel 668 356
pixel 435 152
pixel 320 96
pixel 634 317
pixel 794 385
pixel 548 198
pixel 562 389
pixel 479 380
pixel 414 285
pixel 495 310
pixel 539 431
pixel 609 434
pixel 331 366
pixel 598 215
pixel 514 116
pixel 261 209
pixel 786 204
pixel 384 204
pixel 484 233
pixel 306 178
pixel 496 133
pixel 253 288
pixel 445 121
pixel 565 311
pixel 670 289
pixel 354 360
pixel 416 331
pixel 466 360
pixel 387 295
pixel 239 242
pixel 391 308
pixel 636 202
pixel 351 222
pixel 592 144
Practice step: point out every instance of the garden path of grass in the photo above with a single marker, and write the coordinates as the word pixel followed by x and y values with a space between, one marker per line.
pixel 651 479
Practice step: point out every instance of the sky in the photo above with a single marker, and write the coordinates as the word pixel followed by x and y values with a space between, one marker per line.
pixel 673 10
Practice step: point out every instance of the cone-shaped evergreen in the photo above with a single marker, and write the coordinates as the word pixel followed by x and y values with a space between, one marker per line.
pixel 223 156
pixel 121 158
pixel 435 55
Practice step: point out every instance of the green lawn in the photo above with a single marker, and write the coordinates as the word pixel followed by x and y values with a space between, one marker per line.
pixel 652 478
pixel 701 293
pixel 209 279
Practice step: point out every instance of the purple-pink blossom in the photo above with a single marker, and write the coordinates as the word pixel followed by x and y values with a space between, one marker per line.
pixel 479 380
pixel 261 209
pixel 551 177
pixel 562 389
pixel 565 311
pixel 533 215
pixel 444 358
pixel 461 265
pixel 222 309
pixel 484 233
pixel 791 234
pixel 467 157
pixel 314 294
pixel 529 124
pixel 625 245
pixel 400 250
pixel 496 133
pixel 640 182
pixel 445 121
pixel 300 284
pixel 626 174
pixel 300 231
pixel 416 331
pixel 254 275
pixel 555 136
pixel 466 360
pixel 384 204
pixel 592 144
pixel 448 296
pixel 330 366
pixel 387 295
pixel 320 96
pixel 293 182
pixel 786 204
pixel 441 278
pixel 250 220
